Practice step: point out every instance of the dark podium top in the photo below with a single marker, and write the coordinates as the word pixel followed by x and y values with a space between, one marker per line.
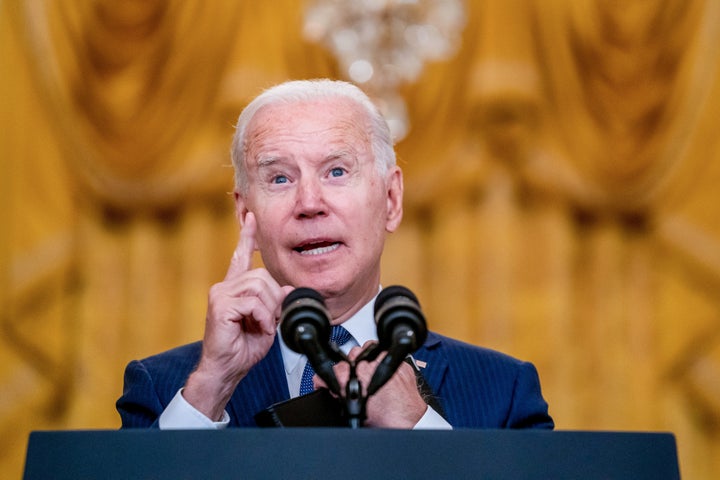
pixel 330 453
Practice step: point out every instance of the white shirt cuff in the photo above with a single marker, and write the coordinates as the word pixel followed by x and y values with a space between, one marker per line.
pixel 432 420
pixel 180 415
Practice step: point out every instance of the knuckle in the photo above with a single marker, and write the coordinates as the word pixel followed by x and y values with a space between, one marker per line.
pixel 215 290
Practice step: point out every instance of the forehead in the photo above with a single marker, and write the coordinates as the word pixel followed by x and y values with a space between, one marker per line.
pixel 314 122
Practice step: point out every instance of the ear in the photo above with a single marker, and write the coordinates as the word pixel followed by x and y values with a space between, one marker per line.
pixel 240 208
pixel 394 199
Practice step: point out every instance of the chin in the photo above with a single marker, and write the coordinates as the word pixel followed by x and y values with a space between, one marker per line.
pixel 325 283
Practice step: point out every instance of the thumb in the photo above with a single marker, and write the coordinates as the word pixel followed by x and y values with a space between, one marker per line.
pixel 285 292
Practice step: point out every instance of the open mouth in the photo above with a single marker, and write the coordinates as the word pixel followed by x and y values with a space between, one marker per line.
pixel 317 248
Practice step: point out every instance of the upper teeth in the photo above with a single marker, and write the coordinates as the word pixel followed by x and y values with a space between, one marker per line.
pixel 320 250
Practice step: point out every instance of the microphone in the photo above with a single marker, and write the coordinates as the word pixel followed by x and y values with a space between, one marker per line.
pixel 305 328
pixel 401 330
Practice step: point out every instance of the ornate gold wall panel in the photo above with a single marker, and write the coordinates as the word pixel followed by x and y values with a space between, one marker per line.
pixel 562 204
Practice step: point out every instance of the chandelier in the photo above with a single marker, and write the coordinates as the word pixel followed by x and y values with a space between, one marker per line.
pixel 381 44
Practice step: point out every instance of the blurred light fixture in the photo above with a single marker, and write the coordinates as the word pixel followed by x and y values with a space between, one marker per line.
pixel 380 44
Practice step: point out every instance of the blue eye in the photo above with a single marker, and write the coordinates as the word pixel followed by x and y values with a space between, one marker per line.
pixel 280 179
pixel 337 172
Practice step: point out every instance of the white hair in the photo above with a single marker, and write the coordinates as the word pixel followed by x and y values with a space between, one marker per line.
pixel 307 90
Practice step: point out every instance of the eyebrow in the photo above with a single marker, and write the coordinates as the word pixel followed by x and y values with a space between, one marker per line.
pixel 270 160
pixel 267 161
pixel 345 153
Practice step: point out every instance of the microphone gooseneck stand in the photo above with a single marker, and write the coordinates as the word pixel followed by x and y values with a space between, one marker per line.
pixel 305 328
pixel 354 402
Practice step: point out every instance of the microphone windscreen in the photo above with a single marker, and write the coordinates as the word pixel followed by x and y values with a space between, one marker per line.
pixel 392 292
pixel 300 293
pixel 396 307
pixel 304 308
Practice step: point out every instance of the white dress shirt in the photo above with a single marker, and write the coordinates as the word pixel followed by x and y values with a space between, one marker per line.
pixel 179 414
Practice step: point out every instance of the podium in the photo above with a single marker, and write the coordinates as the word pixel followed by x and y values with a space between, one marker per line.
pixel 336 453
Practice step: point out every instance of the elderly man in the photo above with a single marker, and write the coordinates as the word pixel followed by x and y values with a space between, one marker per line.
pixel 317 191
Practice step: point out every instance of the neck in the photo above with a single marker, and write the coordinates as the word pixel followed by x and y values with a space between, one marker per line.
pixel 341 308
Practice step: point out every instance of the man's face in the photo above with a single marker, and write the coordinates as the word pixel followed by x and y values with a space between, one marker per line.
pixel 322 207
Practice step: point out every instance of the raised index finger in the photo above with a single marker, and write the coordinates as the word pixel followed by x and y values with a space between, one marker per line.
pixel 241 260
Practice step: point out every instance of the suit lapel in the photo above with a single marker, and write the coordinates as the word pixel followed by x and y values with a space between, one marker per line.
pixel 264 385
pixel 432 362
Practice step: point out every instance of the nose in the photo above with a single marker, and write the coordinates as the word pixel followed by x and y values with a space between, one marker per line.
pixel 310 201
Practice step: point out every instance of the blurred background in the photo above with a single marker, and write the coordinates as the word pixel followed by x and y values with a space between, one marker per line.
pixel 561 165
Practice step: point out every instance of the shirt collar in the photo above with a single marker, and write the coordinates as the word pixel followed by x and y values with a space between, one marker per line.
pixel 361 326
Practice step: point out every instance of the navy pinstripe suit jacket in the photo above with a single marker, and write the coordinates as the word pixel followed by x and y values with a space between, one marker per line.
pixel 477 387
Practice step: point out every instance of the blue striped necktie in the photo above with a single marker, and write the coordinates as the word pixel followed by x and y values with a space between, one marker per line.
pixel 340 337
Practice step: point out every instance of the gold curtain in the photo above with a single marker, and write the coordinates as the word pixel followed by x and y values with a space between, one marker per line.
pixel 561 201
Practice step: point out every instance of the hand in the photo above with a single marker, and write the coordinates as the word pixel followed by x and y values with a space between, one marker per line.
pixel 398 403
pixel 242 316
